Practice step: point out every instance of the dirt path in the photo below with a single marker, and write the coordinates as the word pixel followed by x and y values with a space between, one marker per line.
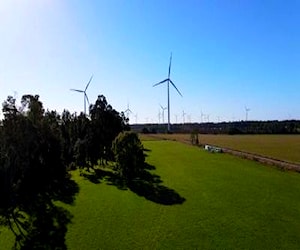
pixel 263 159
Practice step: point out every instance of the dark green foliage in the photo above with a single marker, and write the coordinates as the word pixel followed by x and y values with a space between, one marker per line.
pixel 36 150
pixel 145 130
pixel 129 155
pixel 30 157
pixel 106 124
pixel 32 172
pixel 86 140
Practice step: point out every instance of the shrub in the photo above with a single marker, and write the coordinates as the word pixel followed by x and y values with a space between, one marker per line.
pixel 194 138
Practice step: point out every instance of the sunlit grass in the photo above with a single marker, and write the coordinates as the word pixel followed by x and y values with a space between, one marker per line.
pixel 230 203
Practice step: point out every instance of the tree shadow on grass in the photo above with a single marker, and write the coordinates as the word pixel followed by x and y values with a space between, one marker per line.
pixel 43 224
pixel 146 184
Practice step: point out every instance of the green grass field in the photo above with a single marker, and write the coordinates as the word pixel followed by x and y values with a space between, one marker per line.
pixel 230 203
pixel 281 147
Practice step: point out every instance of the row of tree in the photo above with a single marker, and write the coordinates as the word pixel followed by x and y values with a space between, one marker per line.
pixel 238 127
pixel 38 147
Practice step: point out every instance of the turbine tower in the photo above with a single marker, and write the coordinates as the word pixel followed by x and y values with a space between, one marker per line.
pixel 168 81
pixel 247 110
pixel 158 116
pixel 85 97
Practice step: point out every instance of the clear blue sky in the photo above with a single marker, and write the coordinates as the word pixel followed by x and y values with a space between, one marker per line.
pixel 226 55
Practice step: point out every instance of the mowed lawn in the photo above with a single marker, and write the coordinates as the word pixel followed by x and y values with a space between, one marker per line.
pixel 230 203
pixel 281 147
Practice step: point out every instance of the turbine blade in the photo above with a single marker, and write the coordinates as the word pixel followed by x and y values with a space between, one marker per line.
pixel 175 88
pixel 170 66
pixel 77 90
pixel 88 83
pixel 161 82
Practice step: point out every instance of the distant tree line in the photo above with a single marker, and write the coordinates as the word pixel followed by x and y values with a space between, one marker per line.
pixel 239 127
pixel 37 150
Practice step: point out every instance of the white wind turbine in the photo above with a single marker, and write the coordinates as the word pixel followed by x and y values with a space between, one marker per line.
pixel 127 111
pixel 85 97
pixel 183 116
pixel 168 81
pixel 247 110
pixel 202 116
pixel 207 117
pixel 163 113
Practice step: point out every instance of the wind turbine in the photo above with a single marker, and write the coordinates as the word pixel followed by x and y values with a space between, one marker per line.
pixel 127 111
pixel 168 81
pixel 183 116
pixel 247 110
pixel 85 97
pixel 202 115
pixel 207 116
pixel 163 113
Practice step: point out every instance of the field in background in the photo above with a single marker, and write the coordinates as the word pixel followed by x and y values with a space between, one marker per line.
pixel 230 203
pixel 281 147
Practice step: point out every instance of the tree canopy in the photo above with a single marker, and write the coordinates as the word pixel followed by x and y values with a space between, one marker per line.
pixel 129 155
pixel 37 147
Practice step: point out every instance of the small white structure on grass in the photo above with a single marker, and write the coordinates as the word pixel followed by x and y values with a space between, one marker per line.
pixel 212 149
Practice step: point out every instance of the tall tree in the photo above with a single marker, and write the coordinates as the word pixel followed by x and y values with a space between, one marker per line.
pixel 106 124
pixel 31 167
pixel 129 155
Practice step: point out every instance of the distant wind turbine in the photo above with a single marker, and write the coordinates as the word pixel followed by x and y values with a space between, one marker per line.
pixel 207 116
pixel 168 81
pixel 163 113
pixel 247 110
pixel 127 111
pixel 85 97
pixel 202 115
pixel 183 116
